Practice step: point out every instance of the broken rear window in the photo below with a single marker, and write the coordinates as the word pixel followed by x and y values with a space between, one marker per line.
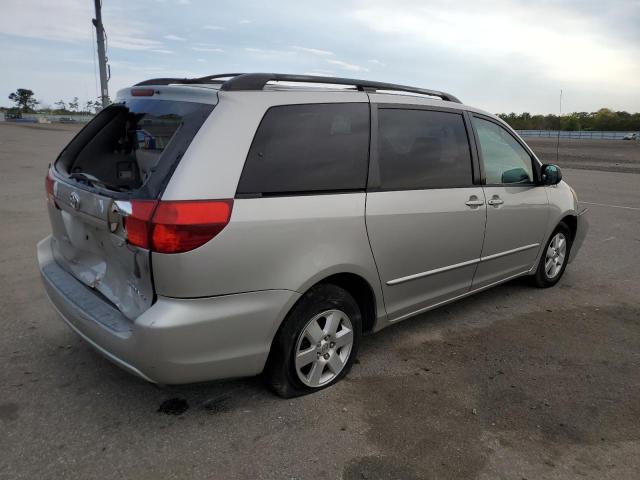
pixel 132 145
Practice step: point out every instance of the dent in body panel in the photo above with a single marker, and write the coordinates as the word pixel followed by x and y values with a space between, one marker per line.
pixel 176 340
pixel 85 247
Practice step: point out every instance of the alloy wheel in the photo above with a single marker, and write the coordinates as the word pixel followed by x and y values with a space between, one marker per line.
pixel 555 255
pixel 323 348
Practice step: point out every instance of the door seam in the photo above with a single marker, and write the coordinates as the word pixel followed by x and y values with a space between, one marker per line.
pixel 366 229
pixel 484 236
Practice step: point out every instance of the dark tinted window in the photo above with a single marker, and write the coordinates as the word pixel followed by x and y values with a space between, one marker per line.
pixel 423 149
pixel 302 148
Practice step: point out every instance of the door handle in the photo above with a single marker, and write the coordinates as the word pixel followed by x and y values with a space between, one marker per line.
pixel 495 201
pixel 474 202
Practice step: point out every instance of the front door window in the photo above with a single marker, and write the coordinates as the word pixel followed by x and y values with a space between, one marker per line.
pixel 505 160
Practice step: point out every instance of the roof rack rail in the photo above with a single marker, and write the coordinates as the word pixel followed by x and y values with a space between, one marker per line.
pixel 188 81
pixel 257 81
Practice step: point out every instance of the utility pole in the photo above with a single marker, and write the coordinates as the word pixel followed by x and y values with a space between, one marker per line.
pixel 102 57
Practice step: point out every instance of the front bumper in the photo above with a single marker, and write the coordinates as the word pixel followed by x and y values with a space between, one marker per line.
pixel 581 233
pixel 176 340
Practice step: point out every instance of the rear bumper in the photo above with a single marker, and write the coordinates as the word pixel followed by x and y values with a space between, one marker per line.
pixel 176 340
pixel 581 233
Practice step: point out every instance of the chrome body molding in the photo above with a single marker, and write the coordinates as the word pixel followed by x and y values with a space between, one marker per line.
pixel 509 252
pixel 435 271
pixel 432 272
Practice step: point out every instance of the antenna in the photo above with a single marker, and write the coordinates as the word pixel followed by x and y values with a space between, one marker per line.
pixel 559 127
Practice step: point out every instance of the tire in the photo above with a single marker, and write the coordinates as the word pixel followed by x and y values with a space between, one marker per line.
pixel 305 359
pixel 553 260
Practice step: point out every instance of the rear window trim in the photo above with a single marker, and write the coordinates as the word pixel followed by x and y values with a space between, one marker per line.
pixel 300 193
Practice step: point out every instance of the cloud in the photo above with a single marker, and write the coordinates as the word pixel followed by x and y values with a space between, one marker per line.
pixel 175 38
pixel 502 55
pixel 33 20
pixel 314 51
pixel 547 39
pixel 267 54
pixel 68 21
pixel 320 73
pixel 348 66
pixel 126 42
pixel 207 49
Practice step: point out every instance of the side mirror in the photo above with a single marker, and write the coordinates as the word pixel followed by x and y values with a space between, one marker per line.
pixel 551 174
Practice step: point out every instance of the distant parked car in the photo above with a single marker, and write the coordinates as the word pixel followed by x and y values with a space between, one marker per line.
pixel 630 136
pixel 67 120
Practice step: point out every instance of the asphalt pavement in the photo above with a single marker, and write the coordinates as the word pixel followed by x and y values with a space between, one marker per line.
pixel 514 383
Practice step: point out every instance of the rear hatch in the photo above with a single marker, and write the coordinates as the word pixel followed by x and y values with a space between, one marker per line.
pixel 108 178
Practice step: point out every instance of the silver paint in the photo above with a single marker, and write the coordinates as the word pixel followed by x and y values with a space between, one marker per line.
pixel 218 307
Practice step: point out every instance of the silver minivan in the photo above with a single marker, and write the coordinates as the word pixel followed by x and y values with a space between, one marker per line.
pixel 241 224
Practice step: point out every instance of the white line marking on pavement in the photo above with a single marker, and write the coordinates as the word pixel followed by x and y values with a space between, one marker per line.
pixel 612 206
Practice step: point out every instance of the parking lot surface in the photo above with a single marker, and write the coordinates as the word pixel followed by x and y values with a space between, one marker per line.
pixel 515 382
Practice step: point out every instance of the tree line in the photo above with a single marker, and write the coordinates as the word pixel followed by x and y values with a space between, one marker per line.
pixel 603 119
pixel 25 102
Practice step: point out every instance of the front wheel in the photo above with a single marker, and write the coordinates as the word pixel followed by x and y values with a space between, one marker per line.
pixel 555 256
pixel 316 343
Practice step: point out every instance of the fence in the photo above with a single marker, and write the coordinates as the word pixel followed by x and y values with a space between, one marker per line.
pixel 596 135
pixel 48 118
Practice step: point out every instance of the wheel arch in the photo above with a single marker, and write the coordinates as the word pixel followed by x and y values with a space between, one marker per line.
pixel 362 293
pixel 570 221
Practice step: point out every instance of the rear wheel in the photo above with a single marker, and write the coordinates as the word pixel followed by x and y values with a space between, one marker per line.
pixel 316 343
pixel 555 256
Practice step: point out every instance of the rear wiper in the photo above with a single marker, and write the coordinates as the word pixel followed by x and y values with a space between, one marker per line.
pixel 93 181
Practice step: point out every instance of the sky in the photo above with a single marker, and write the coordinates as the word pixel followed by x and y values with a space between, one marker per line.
pixel 500 55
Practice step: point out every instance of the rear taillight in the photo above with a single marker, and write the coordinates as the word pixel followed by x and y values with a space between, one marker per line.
pixel 176 226
pixel 180 226
pixel 138 223
pixel 48 185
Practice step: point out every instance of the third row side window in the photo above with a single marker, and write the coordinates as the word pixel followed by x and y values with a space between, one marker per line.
pixel 423 149
pixel 309 148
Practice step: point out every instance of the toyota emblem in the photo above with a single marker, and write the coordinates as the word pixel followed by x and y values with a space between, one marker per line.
pixel 74 200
